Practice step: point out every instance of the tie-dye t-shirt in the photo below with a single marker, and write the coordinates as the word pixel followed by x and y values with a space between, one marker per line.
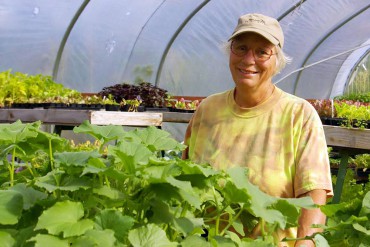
pixel 281 141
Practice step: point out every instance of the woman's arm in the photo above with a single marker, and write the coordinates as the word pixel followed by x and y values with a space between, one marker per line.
pixel 311 216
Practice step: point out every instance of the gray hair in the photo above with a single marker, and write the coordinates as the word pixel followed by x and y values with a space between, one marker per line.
pixel 281 58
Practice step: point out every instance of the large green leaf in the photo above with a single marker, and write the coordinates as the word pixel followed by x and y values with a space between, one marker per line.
pixel 157 139
pixel 362 229
pixel 130 155
pixel 44 240
pixel 30 195
pixel 187 225
pixel 94 166
pixel 332 209
pixel 365 210
pixel 75 158
pixel 6 239
pixel 103 133
pixel 159 174
pixel 18 132
pixel 320 241
pixel 148 236
pixel 111 193
pixel 11 206
pixel 96 238
pixel 234 194
pixel 24 234
pixel 114 220
pixel 114 173
pixel 186 191
pixel 221 241
pixel 64 217
pixel 44 141
pixel 347 224
pixel 195 241
pixel 66 182
pixel 162 212
pixel 189 167
pixel 9 148
pixel 260 203
pixel 290 210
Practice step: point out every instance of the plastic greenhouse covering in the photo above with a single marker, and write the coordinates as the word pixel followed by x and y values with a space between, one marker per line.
pixel 177 44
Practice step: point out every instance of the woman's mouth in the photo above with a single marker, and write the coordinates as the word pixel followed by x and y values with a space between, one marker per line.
pixel 248 72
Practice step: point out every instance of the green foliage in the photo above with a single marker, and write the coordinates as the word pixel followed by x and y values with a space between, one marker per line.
pixel 361 97
pixel 23 88
pixel 361 82
pixel 127 194
pixel 348 221
pixel 355 114
pixel 362 160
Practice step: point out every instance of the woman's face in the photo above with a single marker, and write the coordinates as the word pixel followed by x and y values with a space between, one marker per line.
pixel 247 71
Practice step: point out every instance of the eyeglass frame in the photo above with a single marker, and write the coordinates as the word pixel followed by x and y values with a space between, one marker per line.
pixel 253 52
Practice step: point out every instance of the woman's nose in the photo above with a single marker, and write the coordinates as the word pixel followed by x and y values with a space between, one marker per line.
pixel 249 56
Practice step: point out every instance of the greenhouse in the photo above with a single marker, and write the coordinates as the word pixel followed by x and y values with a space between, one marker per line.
pixel 117 127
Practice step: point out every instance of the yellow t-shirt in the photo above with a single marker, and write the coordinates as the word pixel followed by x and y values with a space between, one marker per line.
pixel 281 141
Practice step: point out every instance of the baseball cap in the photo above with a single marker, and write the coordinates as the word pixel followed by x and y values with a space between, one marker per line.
pixel 263 25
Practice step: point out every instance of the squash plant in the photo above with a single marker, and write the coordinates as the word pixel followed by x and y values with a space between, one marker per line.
pixel 348 222
pixel 120 191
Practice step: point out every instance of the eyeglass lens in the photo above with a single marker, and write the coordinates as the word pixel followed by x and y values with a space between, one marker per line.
pixel 259 53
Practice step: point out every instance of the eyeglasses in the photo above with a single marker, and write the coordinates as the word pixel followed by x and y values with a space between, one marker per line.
pixel 259 54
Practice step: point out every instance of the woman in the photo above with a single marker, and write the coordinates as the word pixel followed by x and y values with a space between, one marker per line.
pixel 278 136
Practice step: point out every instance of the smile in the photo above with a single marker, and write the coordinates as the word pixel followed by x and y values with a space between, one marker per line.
pixel 247 71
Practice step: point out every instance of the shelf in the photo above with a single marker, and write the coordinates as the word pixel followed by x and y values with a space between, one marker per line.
pixel 342 137
pixel 335 136
pixel 76 117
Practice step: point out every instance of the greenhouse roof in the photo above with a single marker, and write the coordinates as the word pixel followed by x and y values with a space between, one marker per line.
pixel 177 44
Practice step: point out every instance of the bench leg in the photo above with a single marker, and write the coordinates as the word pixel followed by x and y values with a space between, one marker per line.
pixel 340 177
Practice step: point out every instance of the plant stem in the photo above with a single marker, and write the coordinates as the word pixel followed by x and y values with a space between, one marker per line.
pixel 29 167
pixel 101 148
pixel 107 181
pixel 51 155
pixel 231 221
pixel 263 233
pixel 217 211
pixel 11 169
pixel 184 209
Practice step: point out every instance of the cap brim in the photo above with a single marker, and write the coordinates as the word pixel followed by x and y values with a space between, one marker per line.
pixel 265 34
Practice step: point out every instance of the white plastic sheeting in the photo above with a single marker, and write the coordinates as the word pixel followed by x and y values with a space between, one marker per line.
pixel 87 45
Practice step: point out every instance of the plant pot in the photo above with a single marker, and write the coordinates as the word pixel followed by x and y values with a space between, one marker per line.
pixel 363 174
pixel 20 105
pixel 157 109
pixel 55 105
pixel 182 110
pixel 112 107
pixel 332 121
pixel 127 108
